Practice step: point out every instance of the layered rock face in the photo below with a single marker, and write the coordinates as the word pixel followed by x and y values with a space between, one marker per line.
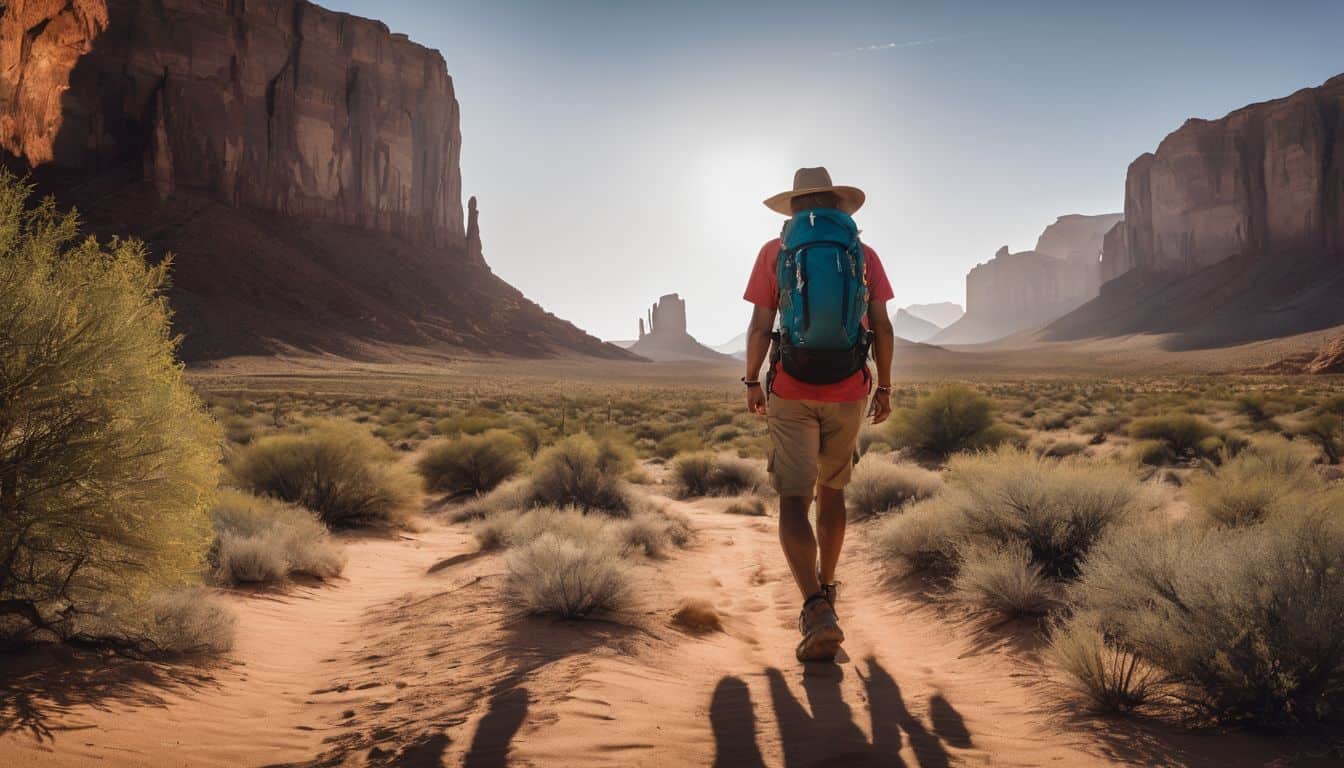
pixel 301 165
pixel 1264 182
pixel 279 105
pixel 665 339
pixel 1018 291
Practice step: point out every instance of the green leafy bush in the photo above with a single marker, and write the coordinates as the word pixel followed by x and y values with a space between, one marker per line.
pixel 949 419
pixel 107 458
pixel 1181 432
pixel 336 469
pixel 471 463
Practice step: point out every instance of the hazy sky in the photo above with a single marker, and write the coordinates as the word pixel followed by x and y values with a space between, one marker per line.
pixel 620 150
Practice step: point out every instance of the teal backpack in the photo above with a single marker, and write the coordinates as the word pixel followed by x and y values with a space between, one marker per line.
pixel 823 297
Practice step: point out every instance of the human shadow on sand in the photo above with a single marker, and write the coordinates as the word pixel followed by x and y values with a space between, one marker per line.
pixel 825 732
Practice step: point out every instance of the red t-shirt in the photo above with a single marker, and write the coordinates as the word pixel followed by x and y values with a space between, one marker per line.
pixel 763 290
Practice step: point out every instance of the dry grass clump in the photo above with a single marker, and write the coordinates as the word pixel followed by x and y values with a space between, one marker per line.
pixel 471 463
pixel 949 419
pixel 262 540
pixel 752 506
pixel 1271 476
pixel 1246 623
pixel 1183 433
pixel 880 485
pixel 570 579
pixel 1003 579
pixel 336 469
pixel 1113 679
pixel 923 538
pixel 698 615
pixel 678 443
pixel 707 474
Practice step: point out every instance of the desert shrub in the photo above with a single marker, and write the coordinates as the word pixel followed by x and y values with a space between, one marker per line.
pixel 705 474
pixel 1246 621
pixel 180 622
pixel 677 443
pixel 1153 453
pixel 556 575
pixel 262 540
pixel 1057 448
pixel 471 463
pixel 1272 476
pixel 1103 424
pixel 581 472
pixel 879 485
pixel 924 537
pixel 518 528
pixel 1112 678
pixel 530 433
pixel 1256 408
pixel 515 494
pixel 468 424
pixel 1002 578
pixel 651 533
pixel 107 458
pixel 336 469
pixel 1181 432
pixel 1327 431
pixel 752 506
pixel 949 419
pixel 174 622
pixel 1056 509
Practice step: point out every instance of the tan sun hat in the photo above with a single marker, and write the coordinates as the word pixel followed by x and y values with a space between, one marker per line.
pixel 809 181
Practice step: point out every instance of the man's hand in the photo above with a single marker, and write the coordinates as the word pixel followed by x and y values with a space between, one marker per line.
pixel 880 408
pixel 756 400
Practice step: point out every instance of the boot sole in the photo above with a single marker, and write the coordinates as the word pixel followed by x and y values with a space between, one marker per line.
pixel 821 645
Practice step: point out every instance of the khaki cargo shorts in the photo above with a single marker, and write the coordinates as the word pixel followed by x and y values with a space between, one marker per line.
pixel 812 443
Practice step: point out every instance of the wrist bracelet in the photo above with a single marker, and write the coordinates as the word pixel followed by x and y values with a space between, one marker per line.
pixel 751 382
pixel 883 388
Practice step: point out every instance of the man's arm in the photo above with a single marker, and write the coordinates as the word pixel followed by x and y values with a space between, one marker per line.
pixel 883 341
pixel 758 344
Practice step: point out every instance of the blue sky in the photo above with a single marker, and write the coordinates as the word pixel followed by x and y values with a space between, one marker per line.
pixel 621 150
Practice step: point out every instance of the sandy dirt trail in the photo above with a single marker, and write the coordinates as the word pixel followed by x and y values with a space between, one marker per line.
pixel 257 707
pixel 415 659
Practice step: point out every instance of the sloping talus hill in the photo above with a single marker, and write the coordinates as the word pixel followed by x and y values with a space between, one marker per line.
pixel 1233 230
pixel 301 164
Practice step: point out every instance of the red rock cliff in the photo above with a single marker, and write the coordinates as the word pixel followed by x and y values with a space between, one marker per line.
pixel 277 105
pixel 1266 182
pixel 1016 291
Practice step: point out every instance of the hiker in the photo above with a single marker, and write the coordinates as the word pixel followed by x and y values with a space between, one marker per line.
pixel 830 293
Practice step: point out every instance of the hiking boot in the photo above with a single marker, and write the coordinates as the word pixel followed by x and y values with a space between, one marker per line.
pixel 829 591
pixel 820 629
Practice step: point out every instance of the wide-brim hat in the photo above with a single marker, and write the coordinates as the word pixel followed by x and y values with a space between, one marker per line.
pixel 810 181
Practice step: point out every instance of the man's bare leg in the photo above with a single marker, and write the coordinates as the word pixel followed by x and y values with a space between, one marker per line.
pixel 800 546
pixel 830 529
